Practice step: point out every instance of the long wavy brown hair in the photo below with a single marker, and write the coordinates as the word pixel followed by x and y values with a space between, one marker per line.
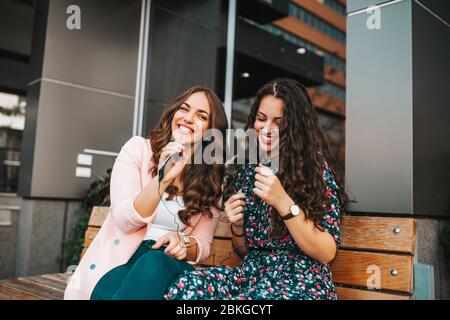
pixel 303 148
pixel 202 183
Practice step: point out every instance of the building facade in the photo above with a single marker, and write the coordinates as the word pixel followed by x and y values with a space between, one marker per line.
pixel 86 75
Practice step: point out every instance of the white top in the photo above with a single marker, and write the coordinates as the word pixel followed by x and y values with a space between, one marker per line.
pixel 166 219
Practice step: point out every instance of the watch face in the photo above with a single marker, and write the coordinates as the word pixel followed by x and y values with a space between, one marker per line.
pixel 186 240
pixel 295 210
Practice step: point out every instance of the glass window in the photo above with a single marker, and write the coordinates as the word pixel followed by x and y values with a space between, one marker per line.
pixel 12 124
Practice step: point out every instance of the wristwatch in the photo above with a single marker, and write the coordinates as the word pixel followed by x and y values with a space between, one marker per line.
pixel 293 212
pixel 186 240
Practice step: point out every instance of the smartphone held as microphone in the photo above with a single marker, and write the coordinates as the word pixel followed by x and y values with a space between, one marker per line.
pixel 174 157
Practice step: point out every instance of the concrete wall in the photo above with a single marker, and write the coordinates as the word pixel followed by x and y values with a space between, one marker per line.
pixel 32 234
pixel 430 251
pixel 43 227
pixel 9 222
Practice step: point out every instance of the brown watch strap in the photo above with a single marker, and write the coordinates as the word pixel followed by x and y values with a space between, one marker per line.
pixel 288 216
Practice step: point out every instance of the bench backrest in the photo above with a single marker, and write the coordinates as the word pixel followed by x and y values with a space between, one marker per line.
pixel 375 259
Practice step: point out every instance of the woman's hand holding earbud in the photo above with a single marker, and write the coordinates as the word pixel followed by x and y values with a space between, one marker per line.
pixel 175 246
pixel 269 188
pixel 234 209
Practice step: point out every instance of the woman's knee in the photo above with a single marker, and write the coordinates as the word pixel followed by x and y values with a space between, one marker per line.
pixel 154 261
pixel 109 283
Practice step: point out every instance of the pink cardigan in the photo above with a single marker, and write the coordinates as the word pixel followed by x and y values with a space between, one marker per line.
pixel 124 229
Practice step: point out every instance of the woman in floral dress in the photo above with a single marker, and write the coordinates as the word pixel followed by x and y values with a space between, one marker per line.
pixel 285 224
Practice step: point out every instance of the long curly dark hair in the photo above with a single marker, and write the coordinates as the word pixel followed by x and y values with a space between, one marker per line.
pixel 302 150
pixel 202 183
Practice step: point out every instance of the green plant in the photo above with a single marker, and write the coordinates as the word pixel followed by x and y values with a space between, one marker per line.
pixel 96 195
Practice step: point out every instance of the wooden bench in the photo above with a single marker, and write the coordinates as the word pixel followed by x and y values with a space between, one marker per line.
pixel 374 262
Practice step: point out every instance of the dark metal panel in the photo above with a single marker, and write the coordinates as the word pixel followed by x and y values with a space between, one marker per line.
pixel 263 11
pixel 182 54
pixel 379 112
pixel 16 26
pixel 39 35
pixel 439 7
pixel 266 47
pixel 103 54
pixel 16 30
pixel 153 112
pixel 431 69
pixel 28 140
pixel 205 12
pixel 15 74
pixel 263 57
pixel 69 120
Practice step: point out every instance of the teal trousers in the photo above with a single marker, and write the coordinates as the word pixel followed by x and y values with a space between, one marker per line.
pixel 146 276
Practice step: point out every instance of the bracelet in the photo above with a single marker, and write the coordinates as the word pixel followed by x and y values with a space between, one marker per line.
pixel 237 235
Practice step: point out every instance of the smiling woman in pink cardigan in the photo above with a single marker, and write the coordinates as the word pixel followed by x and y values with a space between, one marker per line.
pixel 158 225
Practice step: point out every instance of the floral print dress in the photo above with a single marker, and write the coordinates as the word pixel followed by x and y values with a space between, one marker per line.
pixel 273 268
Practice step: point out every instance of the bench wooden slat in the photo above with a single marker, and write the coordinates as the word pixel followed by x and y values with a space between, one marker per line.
pixel 8 292
pixel 83 252
pixel 28 288
pixel 356 268
pixel 42 287
pixel 222 253
pixel 90 235
pixel 40 282
pixel 344 293
pixel 98 216
pixel 223 227
pixel 221 250
pixel 358 232
pixel 57 277
pixel 377 233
